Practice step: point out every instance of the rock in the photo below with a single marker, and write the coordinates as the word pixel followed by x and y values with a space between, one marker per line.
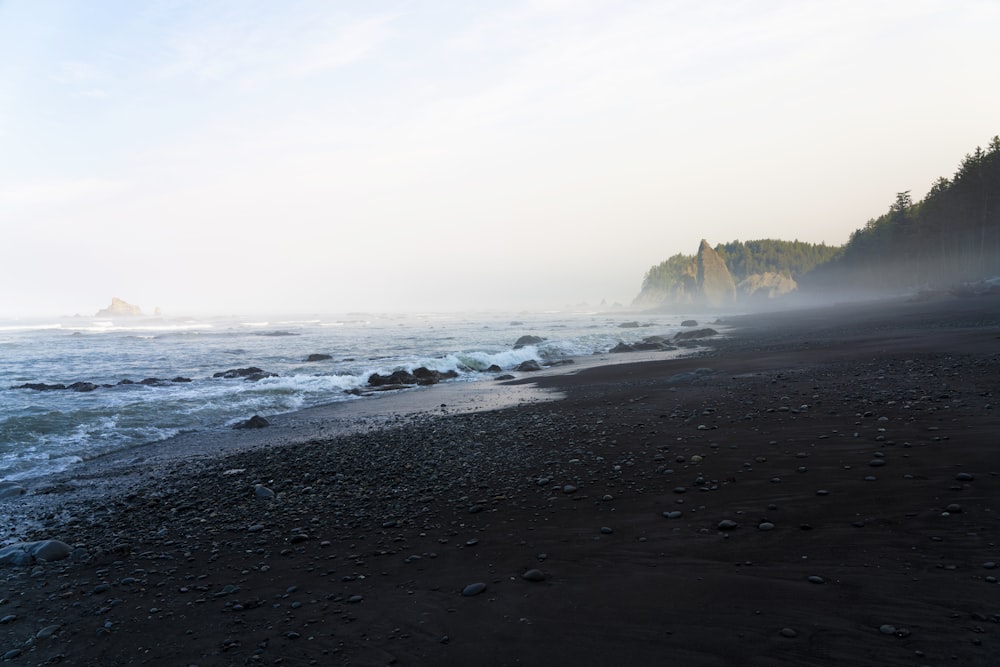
pixel 254 422
pixel 689 323
pixel 524 341
pixel 714 280
pixel 964 477
pixel 263 492
pixel 119 308
pixel 788 632
pixel 629 325
pixel 82 386
pixel 887 629
pixel 40 386
pixel 29 553
pixel 533 575
pixel 319 357
pixel 528 366
pixel 697 333
pixel 395 378
pixel 11 490
pixel 252 373
pixel 473 589
pixel 727 524
pixel 425 376
pixel 767 285
pixel 765 525
pixel 622 347
pixel 504 376
pixel 815 580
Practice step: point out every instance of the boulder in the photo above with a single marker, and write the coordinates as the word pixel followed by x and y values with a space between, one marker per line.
pixel 426 376
pixel 529 366
pixel 524 341
pixel 252 374
pixel 29 553
pixel 11 490
pixel 400 377
pixel 254 422
pixel 40 386
pixel 622 346
pixel 697 333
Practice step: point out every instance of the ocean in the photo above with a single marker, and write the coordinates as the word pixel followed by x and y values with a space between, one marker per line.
pixel 48 431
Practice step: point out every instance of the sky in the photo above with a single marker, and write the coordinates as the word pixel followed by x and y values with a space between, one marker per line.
pixel 326 156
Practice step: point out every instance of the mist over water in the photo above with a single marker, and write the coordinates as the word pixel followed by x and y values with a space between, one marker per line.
pixel 48 431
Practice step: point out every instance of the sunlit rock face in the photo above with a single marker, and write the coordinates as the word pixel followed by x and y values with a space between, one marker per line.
pixel 716 286
pixel 118 308
pixel 767 285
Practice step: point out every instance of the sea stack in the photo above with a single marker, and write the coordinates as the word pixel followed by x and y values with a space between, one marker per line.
pixel 119 308
pixel 715 283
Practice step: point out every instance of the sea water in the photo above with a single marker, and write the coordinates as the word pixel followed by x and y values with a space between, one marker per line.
pixel 48 431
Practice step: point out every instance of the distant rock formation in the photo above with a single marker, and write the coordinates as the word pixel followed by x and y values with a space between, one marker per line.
pixel 716 285
pixel 119 308
pixel 766 286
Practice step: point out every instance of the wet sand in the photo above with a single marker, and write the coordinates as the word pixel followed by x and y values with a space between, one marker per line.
pixel 821 488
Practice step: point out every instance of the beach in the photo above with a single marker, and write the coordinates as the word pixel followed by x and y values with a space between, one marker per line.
pixel 819 487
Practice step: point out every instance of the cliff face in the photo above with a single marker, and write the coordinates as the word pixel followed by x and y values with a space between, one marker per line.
pixel 766 286
pixel 715 284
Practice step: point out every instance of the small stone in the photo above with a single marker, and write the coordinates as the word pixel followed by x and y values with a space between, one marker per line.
pixel 9 618
pixel 263 492
pixel 533 575
pixel 569 488
pixel 877 463
pixel 822 492
pixel 765 525
pixel 789 632
pixel 47 631
pixel 990 565
pixel 676 514
pixel 953 508
pixel 816 580
pixel 473 589
pixel 964 477
pixel 727 524
pixel 887 629
pixel 605 530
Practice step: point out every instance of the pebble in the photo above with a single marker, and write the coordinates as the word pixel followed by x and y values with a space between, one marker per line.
pixel 263 492
pixel 964 477
pixel 789 632
pixel 816 579
pixel 887 629
pixel 473 589
pixel 765 525
pixel 605 530
pixel 676 514
pixel 569 488
pixel 47 631
pixel 533 575
pixel 727 524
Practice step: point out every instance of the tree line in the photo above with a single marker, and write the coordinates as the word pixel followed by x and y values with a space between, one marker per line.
pixel 951 235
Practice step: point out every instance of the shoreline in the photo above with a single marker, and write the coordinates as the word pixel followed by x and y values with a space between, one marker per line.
pixel 782 498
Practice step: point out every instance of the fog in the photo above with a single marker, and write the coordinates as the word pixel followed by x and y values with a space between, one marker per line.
pixel 251 157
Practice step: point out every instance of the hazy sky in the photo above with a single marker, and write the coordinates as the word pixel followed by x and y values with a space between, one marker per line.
pixel 325 156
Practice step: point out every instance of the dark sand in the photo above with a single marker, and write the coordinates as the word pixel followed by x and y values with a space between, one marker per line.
pixel 845 428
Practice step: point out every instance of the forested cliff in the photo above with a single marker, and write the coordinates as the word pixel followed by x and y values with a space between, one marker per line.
pixel 950 236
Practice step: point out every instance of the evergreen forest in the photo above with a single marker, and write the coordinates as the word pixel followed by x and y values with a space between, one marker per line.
pixel 950 236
